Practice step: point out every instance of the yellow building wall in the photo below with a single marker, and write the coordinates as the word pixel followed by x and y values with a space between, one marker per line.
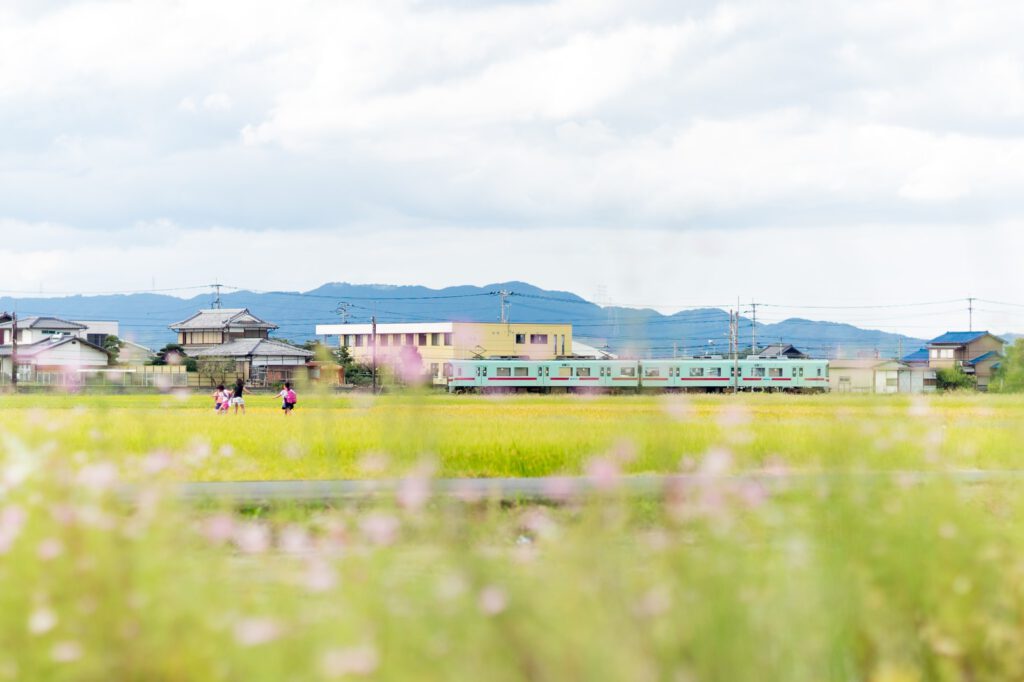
pixel 472 339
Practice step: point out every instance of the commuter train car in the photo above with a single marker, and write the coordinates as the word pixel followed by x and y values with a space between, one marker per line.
pixel 696 374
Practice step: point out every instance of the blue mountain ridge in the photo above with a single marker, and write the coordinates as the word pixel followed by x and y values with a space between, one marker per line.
pixel 144 317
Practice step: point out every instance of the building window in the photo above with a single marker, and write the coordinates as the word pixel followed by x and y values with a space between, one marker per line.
pixel 358 338
pixel 934 353
pixel 522 371
pixel 538 339
pixel 696 371
pixel 520 338
pixel 422 339
pixel 448 339
pixel 383 339
pixel 503 372
pixel 435 339
pixel 946 353
pixel 409 340
pixel 434 368
pixel 892 382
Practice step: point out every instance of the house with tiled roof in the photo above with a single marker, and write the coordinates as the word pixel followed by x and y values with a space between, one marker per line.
pixel 218 326
pixel 977 353
pixel 238 336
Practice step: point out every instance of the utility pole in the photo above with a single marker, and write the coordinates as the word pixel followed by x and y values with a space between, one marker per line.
pixel 753 327
pixel 373 351
pixel 216 299
pixel 14 352
pixel 970 313
pixel 734 341
pixel 504 305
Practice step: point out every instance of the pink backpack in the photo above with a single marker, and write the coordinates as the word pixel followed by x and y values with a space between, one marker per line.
pixel 291 397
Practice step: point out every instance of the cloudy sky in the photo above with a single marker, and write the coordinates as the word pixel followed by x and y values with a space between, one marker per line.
pixel 670 153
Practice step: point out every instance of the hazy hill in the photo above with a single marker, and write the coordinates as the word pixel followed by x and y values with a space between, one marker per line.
pixel 144 317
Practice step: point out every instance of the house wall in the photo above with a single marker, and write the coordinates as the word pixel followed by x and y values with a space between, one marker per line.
pixel 851 379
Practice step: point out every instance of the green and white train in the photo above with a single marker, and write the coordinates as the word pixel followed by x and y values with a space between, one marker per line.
pixel 697 375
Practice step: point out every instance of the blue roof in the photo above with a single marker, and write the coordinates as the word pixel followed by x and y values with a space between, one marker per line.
pixel 919 355
pixel 959 337
pixel 982 358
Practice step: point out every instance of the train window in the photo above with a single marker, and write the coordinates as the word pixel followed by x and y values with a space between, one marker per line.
pixel 539 339
pixel 503 372
pixel 485 371
pixel 775 371
pixel 565 371
pixel 520 338
pixel 714 371
pixel 696 371
pixel 583 371
pixel 522 371
pixel 757 371
pixel 652 372
pixel 819 371
pixel 627 371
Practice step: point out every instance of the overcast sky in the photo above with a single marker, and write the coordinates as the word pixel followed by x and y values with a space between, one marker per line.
pixel 637 151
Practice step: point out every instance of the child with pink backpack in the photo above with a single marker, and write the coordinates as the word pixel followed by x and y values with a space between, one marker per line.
pixel 288 398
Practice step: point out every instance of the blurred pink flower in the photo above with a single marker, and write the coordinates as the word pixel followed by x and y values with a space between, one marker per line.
pixel 12 520
pixel 219 528
pixel 42 620
pixel 49 549
pixel 294 539
pixel 716 462
pixel 603 473
pixel 252 537
pixel 156 462
pixel 99 476
pixel 66 652
pixel 320 576
pixel 413 492
pixel 493 600
pixel 379 529
pixel 256 631
pixel 357 660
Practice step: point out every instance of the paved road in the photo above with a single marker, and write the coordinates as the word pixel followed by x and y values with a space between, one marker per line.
pixel 274 493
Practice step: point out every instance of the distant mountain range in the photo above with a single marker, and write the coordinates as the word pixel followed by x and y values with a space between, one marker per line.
pixel 144 318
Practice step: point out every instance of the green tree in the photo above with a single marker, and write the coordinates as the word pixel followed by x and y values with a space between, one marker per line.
pixel 113 345
pixel 174 354
pixel 1009 378
pixel 954 379
pixel 217 370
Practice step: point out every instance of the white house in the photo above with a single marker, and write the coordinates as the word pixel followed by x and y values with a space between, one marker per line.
pixel 53 360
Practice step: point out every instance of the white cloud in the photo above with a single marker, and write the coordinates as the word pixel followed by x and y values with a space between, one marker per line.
pixel 637 117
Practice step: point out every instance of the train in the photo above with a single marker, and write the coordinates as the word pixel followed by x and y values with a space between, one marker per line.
pixel 706 375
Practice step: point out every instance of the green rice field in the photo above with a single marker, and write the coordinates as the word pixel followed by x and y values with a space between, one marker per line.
pixel 821 576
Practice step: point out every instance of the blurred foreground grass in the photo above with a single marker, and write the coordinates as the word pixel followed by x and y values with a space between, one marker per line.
pixel 885 578
pixel 330 437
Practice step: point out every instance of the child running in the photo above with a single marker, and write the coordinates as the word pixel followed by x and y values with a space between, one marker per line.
pixel 288 398
pixel 238 395
pixel 221 398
